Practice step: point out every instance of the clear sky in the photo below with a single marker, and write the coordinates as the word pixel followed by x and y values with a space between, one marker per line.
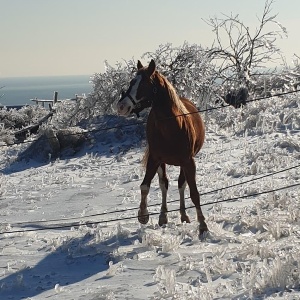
pixel 72 37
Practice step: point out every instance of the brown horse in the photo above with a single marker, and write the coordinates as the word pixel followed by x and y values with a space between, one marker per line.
pixel 175 134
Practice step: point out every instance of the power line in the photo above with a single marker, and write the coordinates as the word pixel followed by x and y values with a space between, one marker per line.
pixel 227 105
pixel 244 182
pixel 156 204
pixel 150 214
pixel 144 122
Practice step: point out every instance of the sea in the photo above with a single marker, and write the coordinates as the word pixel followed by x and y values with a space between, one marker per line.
pixel 15 91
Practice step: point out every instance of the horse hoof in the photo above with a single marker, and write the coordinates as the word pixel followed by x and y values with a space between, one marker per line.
pixel 203 232
pixel 163 219
pixel 185 218
pixel 143 217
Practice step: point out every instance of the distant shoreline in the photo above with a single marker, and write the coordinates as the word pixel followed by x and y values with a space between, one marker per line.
pixel 43 76
pixel 19 90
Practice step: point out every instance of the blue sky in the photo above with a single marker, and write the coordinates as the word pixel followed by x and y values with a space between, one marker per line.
pixel 72 37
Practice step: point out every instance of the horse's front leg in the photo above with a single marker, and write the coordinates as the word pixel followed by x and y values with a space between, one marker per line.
pixel 151 168
pixel 163 184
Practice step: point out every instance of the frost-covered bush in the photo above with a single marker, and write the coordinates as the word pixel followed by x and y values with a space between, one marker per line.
pixel 166 281
pixel 259 117
pixel 204 75
pixel 19 118
pixel 107 89
pixel 12 120
pixel 52 143
pixel 187 67
pixel 286 80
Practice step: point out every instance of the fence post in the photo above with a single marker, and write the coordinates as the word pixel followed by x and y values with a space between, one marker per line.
pixel 55 95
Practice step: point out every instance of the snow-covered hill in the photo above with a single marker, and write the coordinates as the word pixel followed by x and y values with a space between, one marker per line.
pixel 77 236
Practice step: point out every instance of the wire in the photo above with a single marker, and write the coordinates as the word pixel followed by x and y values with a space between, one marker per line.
pixel 156 204
pixel 226 105
pixel 244 182
pixel 144 122
pixel 150 214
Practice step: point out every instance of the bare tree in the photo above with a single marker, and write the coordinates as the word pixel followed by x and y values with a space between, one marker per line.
pixel 239 53
pixel 186 66
pixel 202 75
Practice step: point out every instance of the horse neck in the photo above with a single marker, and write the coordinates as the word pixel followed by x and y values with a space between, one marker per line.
pixel 167 102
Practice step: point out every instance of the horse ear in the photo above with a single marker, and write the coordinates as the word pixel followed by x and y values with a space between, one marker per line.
pixel 139 65
pixel 151 67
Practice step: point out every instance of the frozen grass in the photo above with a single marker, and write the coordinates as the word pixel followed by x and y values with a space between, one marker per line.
pixel 251 252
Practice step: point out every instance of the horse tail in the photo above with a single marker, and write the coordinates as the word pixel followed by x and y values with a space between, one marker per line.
pixel 145 157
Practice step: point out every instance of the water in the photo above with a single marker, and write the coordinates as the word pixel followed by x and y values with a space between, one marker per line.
pixel 19 90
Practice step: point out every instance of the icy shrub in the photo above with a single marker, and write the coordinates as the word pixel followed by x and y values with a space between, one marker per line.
pixel 52 143
pixel 170 242
pixel 188 68
pixel 121 232
pixel 114 269
pixel 25 116
pixel 166 281
pixel 165 242
pixel 45 148
pixel 3 181
pixel 71 139
pixel 13 119
pixel 271 274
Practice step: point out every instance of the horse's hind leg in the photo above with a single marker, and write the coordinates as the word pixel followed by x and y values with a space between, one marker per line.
pixel 190 175
pixel 181 188
pixel 163 184
pixel 151 168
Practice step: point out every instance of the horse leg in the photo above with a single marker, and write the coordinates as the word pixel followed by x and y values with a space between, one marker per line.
pixel 163 184
pixel 190 175
pixel 143 215
pixel 181 188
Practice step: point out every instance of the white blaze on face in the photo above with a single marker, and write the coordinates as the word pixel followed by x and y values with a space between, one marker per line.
pixel 125 106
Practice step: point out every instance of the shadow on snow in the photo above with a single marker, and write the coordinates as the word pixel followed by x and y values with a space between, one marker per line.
pixel 109 136
pixel 72 262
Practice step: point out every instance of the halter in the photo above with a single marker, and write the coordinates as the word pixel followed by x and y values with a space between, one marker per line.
pixel 131 99
pixel 141 105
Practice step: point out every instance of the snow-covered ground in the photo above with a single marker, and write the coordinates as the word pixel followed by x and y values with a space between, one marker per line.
pixel 77 236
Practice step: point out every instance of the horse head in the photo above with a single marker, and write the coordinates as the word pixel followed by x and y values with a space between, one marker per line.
pixel 140 93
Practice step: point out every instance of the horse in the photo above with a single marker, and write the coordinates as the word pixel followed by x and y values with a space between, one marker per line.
pixel 175 133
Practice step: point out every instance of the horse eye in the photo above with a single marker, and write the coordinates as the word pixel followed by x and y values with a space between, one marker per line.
pixel 122 93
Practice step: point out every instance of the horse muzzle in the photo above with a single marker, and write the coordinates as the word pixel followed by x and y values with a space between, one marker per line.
pixel 124 107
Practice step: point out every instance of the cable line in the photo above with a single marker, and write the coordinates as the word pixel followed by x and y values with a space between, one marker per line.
pixel 156 204
pixel 144 122
pixel 150 214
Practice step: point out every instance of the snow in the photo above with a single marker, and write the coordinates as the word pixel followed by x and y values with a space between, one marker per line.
pixel 69 230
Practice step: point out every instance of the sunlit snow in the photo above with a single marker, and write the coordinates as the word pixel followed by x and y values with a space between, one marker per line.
pixel 78 236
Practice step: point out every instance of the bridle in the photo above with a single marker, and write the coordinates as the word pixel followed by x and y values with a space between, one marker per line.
pixel 141 105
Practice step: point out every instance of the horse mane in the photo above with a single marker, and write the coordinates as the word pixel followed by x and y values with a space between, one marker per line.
pixel 178 107
pixel 181 113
